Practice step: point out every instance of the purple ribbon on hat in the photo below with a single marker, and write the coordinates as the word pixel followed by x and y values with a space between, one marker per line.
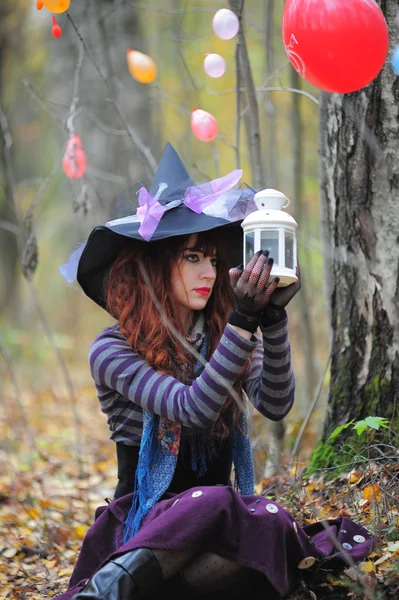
pixel 197 198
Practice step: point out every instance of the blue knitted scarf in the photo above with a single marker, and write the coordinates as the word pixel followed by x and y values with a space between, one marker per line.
pixel 159 451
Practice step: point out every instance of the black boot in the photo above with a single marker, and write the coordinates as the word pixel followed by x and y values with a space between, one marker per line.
pixel 130 576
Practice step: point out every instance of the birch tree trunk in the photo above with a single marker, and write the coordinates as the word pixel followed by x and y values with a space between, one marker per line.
pixel 359 176
pixel 268 102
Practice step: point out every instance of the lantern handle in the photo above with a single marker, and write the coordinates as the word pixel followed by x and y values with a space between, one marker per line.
pixel 271 199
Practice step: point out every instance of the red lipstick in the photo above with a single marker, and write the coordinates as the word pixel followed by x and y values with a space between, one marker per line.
pixel 204 291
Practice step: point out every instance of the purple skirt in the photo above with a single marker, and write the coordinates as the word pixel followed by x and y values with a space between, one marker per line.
pixel 250 530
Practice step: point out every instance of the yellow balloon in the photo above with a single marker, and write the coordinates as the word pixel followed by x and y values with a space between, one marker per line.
pixel 57 6
pixel 141 67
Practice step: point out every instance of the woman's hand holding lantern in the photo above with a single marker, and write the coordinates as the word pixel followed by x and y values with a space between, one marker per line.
pixel 283 295
pixel 250 285
pixel 259 301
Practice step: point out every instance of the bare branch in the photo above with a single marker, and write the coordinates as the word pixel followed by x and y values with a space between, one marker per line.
pixel 135 138
pixel 288 89
pixel 9 227
pixel 72 113
pixel 309 413
pixel 29 213
pixel 64 370
pixel 41 102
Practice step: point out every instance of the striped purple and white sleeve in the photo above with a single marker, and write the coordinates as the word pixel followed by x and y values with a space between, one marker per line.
pixel 270 382
pixel 115 366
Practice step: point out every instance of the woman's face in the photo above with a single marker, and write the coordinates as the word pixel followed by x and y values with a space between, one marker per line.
pixel 193 276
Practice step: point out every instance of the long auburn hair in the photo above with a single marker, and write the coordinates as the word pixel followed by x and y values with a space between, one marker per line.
pixel 129 301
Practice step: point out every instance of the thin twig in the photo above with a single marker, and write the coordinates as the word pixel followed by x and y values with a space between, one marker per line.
pixel 9 226
pixel 356 461
pixel 46 181
pixel 65 372
pixel 18 396
pixel 75 93
pixel 27 182
pixel 101 174
pixel 106 128
pixel 135 138
pixel 41 102
pixel 179 49
pixel 264 89
pixel 156 10
pixel 310 410
pixel 288 89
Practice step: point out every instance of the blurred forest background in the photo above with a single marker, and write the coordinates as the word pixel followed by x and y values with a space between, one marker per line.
pixel 80 82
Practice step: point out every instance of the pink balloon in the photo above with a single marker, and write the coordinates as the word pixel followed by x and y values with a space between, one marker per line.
pixel 204 126
pixel 214 65
pixel 225 24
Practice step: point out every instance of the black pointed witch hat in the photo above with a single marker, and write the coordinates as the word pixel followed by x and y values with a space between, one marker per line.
pixel 163 214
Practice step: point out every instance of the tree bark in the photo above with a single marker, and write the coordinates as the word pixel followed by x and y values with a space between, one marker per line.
pixel 359 178
pixel 268 102
pixel 8 224
pixel 254 135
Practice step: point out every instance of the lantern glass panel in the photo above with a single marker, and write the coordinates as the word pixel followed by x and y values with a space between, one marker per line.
pixel 289 250
pixel 269 241
pixel 249 246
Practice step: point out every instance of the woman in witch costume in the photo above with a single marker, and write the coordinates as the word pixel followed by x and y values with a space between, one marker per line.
pixel 173 376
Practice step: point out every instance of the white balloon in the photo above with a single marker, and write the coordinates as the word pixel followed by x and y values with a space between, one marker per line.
pixel 225 24
pixel 214 65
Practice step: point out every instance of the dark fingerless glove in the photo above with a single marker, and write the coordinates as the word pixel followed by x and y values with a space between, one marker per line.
pixel 246 320
pixel 272 315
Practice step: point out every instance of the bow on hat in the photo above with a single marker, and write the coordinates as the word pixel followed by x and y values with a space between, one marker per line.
pixel 197 198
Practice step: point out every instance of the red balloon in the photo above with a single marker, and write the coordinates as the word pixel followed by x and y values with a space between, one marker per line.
pixel 74 161
pixel 336 45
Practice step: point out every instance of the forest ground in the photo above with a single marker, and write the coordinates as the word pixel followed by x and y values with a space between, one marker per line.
pixel 48 497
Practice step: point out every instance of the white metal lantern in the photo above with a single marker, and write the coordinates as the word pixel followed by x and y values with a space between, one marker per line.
pixel 272 228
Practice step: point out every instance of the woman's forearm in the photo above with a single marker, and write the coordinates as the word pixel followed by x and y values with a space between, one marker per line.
pixel 115 366
pixel 270 384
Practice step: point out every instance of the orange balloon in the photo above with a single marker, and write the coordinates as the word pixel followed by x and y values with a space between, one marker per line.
pixel 57 6
pixel 141 67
